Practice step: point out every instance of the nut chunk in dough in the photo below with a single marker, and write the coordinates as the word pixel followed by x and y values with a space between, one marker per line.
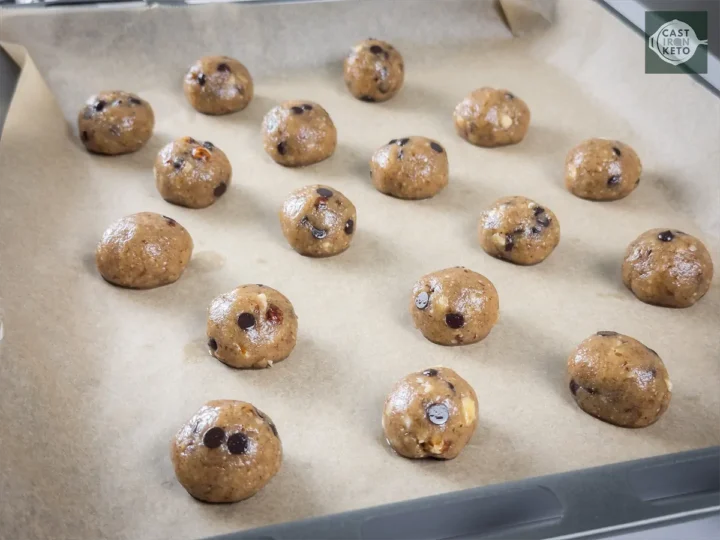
pixel 374 71
pixel 115 122
pixel 432 413
pixel 298 133
pixel 218 85
pixel 143 251
pixel 318 221
pixel 227 452
pixel 490 117
pixel 252 326
pixel 667 267
pixel 455 306
pixel 619 380
pixel 519 230
pixel 192 173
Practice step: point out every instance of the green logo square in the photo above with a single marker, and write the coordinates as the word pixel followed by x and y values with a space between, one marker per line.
pixel 676 41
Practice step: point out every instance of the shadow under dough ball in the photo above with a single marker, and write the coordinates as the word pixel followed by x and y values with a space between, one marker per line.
pixel 518 230
pixel 227 452
pixel 490 117
pixel 318 221
pixel 143 251
pixel 374 71
pixel 602 170
pixel 667 267
pixel 115 122
pixel 192 173
pixel 619 380
pixel 432 413
pixel 218 85
pixel 298 133
pixel 455 306
pixel 252 326
pixel 410 168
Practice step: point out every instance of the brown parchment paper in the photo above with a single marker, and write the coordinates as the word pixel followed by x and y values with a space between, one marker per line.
pixel 94 380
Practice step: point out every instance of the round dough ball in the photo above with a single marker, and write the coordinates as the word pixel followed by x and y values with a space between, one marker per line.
pixel 518 230
pixel 143 251
pixel 455 306
pixel 298 133
pixel 115 122
pixel 318 221
pixel 227 452
pixel 410 168
pixel 252 326
pixel 432 413
pixel 218 85
pixel 192 173
pixel 490 117
pixel 667 267
pixel 619 380
pixel 602 170
pixel 374 70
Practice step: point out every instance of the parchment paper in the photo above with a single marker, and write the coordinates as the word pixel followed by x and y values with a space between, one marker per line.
pixel 95 380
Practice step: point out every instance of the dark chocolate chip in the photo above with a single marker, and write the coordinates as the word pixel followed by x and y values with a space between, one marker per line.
pixel 435 146
pixel 100 105
pixel 394 141
pixel 201 79
pixel 212 344
pixel 666 236
pixel 210 146
pixel 325 192
pixel 367 99
pixel 223 67
pixel 84 136
pixel 170 221
pixel 438 413
pixel 543 220
pixel 613 180
pixel 274 314
pixel 617 151
pixel 606 333
pixel 430 372
pixel 509 242
pixel 376 49
pixel 509 95
pixel 535 230
pixel 178 163
pixel 282 148
pixel 269 422
pixel 214 437
pixel 653 371
pixel 135 101
pixel 220 189
pixel 574 387
pixel 637 181
pixel 455 320
pixel 307 107
pixel 296 110
pixel 246 320
pixel 422 300
pixel 451 385
pixel 237 443
pixel 318 233
pixel 191 140
pixel 403 142
pixel 538 210
pixel 349 226
pixel 590 391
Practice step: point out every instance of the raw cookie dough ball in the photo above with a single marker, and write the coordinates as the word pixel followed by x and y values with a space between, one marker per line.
pixel 318 221
pixel 455 306
pixel 490 117
pixel 374 70
pixel 602 170
pixel 252 326
pixel 410 168
pixel 143 251
pixel 226 452
pixel 619 380
pixel 667 267
pixel 518 230
pixel 192 173
pixel 298 133
pixel 115 122
pixel 432 413
pixel 218 85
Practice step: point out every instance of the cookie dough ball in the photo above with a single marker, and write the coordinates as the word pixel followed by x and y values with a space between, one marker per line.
pixel 218 85
pixel 374 70
pixel 143 251
pixel 602 170
pixel 432 413
pixel 252 326
pixel 192 173
pixel 490 117
pixel 619 380
pixel 227 452
pixel 410 168
pixel 518 230
pixel 115 122
pixel 318 221
pixel 667 267
pixel 455 306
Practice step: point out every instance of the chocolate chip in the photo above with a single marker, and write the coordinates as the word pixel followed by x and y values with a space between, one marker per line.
pixel 535 230
pixel 201 79
pixel 386 55
pixel 637 181
pixel 653 371
pixel 237 443
pixel 210 146
pixel 100 105
pixel 220 189
pixel 543 220
pixel 509 95
pixel 574 387
pixel 190 140
pixel 170 221
pixel 246 320
pixel 613 180
pixel 296 110
pixel 274 314
pixel 325 192
pixel 282 148
pixel 606 333
pixel 438 413
pixel 403 142
pixel 616 151
pixel 307 107
pixel 394 141
pixel 349 226
pixel 223 67
pixel 240 90
pixel 509 242
pixel 455 320
pixel 84 136
pixel 367 99
pixel 214 437
pixel 178 163
pixel 430 372
pixel 451 385
pixel 649 349
pixel 538 210
pixel 666 236
pixel 269 422
pixel 135 101
pixel 422 300
pixel 435 146
pixel 318 233
pixel 212 344
pixel 376 49
pixel 590 391
pixel 321 202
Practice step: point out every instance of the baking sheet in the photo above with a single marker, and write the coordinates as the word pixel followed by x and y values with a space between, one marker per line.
pixel 94 380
